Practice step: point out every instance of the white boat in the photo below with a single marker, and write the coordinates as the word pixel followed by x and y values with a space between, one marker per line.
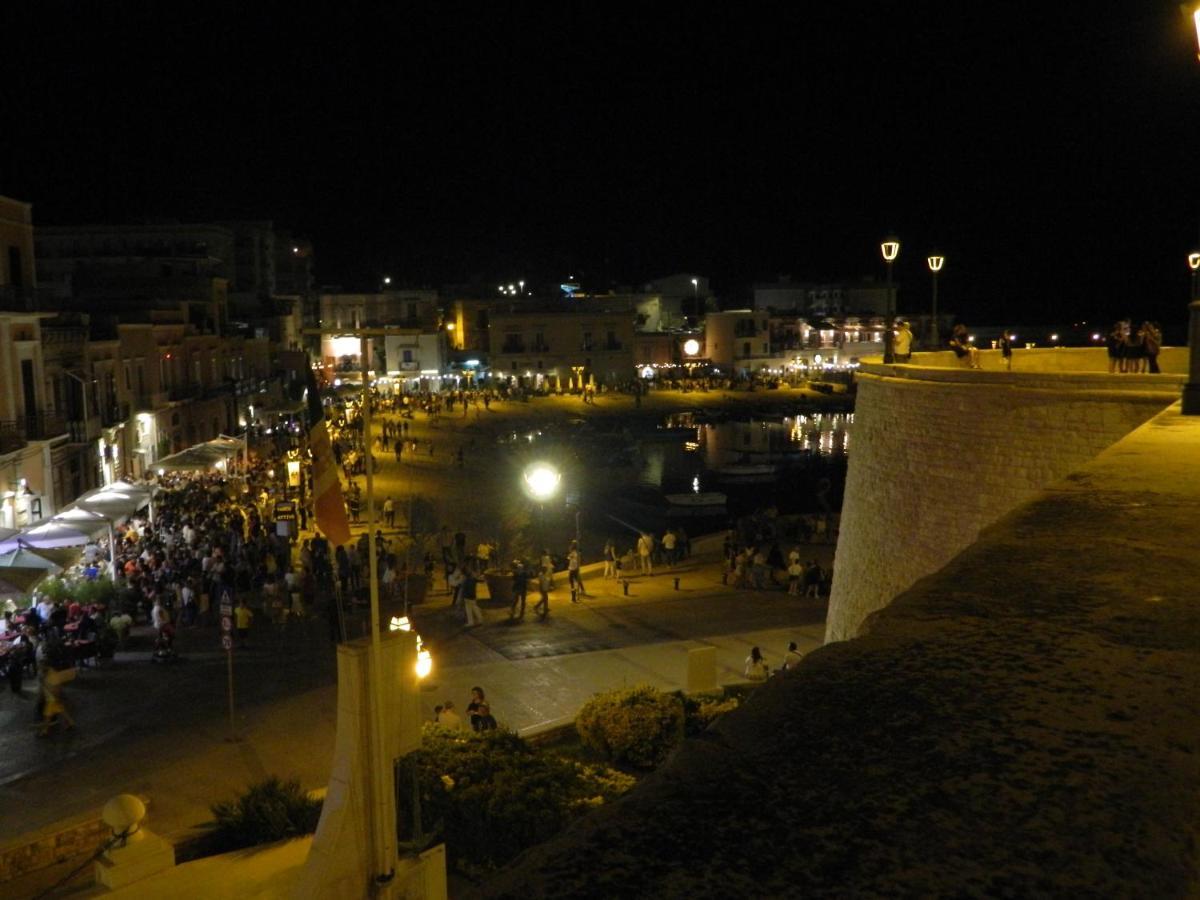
pixel 708 503
pixel 747 470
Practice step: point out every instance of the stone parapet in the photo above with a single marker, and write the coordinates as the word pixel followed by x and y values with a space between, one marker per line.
pixel 940 454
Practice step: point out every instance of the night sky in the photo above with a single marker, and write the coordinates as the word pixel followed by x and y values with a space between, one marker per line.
pixel 1048 150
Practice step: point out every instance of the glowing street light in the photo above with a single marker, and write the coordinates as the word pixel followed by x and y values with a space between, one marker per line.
pixel 890 248
pixel 1196 21
pixel 935 265
pixel 1191 390
pixel 691 346
pixel 542 480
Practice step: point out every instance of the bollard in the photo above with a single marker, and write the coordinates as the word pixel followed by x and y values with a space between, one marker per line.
pixel 625 586
pixel 676 582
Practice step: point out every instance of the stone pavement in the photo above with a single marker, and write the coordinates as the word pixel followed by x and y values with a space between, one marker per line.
pixel 535 674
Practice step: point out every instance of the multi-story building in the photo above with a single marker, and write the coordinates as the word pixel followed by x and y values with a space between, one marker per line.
pixel 748 341
pixel 31 427
pixel 819 299
pixel 559 347
pixel 415 345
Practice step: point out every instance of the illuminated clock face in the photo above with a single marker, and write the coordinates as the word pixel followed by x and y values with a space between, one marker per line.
pixel 691 348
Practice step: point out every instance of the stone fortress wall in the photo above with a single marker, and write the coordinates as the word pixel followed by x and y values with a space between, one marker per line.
pixel 940 451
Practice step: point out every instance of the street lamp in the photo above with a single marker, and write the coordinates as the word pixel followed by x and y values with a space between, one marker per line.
pixel 1191 390
pixel 935 265
pixel 541 483
pixel 890 248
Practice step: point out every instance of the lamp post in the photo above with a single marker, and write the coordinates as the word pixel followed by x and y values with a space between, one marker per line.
pixel 890 248
pixel 1191 390
pixel 541 483
pixel 935 265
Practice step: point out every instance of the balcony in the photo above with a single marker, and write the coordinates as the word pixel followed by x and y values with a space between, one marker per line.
pixel 84 431
pixel 114 414
pixel 612 346
pixel 26 299
pixel 15 434
pixel 184 392
pixel 513 347
pixel 540 347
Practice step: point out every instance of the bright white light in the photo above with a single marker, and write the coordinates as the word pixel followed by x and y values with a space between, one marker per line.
pixel 424 662
pixel 387 279
pixel 399 623
pixel 542 480
pixel 1054 337
pixel 691 347
pixel 1095 337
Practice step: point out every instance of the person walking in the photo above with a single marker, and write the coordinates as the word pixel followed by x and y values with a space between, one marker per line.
pixel 389 512
pixel 645 546
pixel 545 583
pixel 610 559
pixel 668 545
pixel 574 579
pixel 242 617
pixel 520 590
pixel 454 583
pixel 470 606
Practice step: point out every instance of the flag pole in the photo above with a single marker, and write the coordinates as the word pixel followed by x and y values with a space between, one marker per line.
pixel 384 830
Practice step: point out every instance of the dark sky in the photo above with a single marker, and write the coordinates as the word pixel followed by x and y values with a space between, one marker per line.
pixel 1048 150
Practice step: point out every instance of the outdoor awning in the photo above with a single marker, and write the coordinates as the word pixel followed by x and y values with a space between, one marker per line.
pixel 114 505
pixel 49 535
pixel 85 520
pixel 202 456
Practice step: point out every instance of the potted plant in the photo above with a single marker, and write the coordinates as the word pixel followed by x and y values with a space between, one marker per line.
pixel 514 544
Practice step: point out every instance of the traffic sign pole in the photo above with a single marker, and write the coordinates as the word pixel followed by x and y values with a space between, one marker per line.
pixel 225 596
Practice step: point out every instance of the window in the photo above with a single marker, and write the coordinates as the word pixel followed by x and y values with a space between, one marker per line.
pixel 587 340
pixel 746 349
pixel 16 275
pixel 408 356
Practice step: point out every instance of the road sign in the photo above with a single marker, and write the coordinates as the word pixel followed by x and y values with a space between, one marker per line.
pixel 226 624
pixel 227 642
pixel 226 609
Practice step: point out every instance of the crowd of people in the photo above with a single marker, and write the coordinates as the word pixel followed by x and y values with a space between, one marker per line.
pixel 1134 351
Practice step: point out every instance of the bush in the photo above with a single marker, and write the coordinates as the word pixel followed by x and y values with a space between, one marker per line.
pixel 491 795
pixel 269 811
pixel 702 710
pixel 638 726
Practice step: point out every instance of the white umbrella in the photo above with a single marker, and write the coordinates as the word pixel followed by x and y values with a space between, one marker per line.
pixel 111 504
pixel 93 522
pixel 48 534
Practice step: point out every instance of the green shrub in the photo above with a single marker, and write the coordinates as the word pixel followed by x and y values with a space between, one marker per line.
pixel 491 795
pixel 270 810
pixel 637 726
pixel 99 590
pixel 701 710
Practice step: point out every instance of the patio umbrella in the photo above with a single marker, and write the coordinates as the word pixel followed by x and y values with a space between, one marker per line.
pixel 144 492
pixel 23 568
pixel 93 523
pixel 6 533
pixel 111 504
pixel 48 535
